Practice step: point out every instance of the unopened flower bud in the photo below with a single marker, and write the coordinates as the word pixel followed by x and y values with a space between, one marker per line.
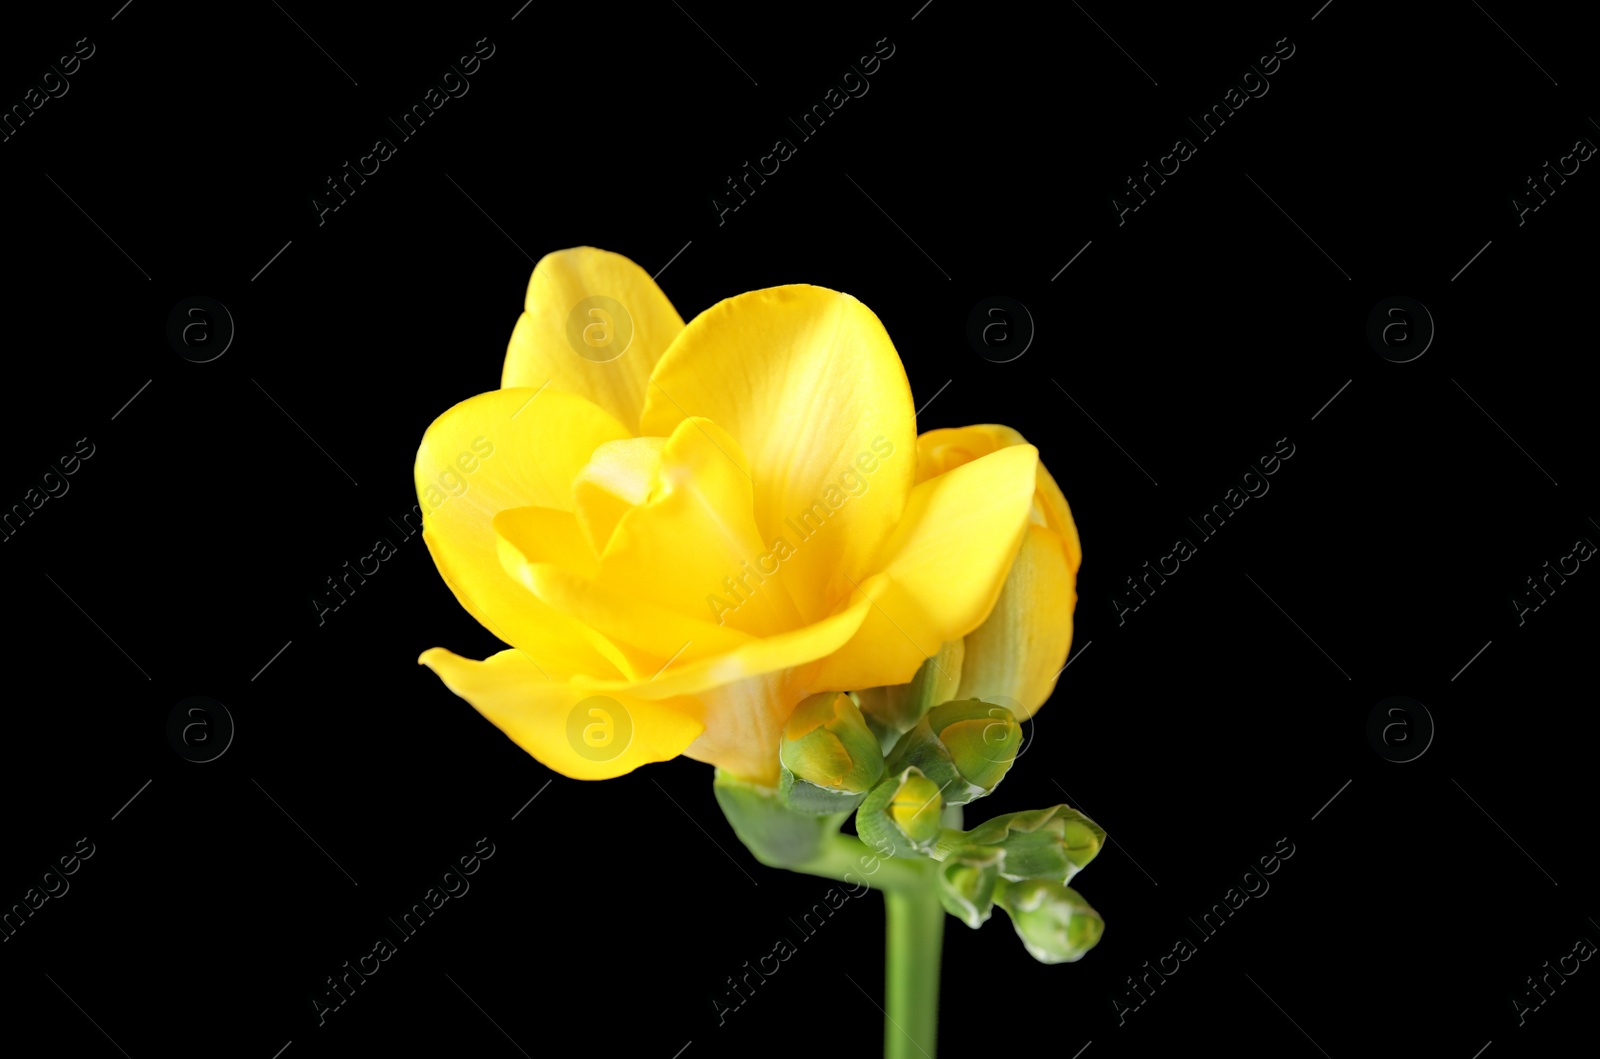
pixel 902 813
pixel 830 757
pixel 966 747
pixel 967 884
pixel 1053 843
pixel 1055 923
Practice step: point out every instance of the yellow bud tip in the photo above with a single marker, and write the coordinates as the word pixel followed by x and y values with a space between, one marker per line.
pixel 915 807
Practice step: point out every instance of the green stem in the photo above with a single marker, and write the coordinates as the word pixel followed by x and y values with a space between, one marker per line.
pixel 915 928
pixel 911 970
pixel 850 860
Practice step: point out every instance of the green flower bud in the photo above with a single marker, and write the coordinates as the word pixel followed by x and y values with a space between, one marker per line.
pixel 966 747
pixel 774 834
pixel 895 708
pixel 830 757
pixel 967 884
pixel 1054 843
pixel 901 813
pixel 1055 923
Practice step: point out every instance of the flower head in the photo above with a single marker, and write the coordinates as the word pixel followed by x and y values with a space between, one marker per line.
pixel 692 528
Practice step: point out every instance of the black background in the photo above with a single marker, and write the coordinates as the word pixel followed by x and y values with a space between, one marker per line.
pixel 1199 730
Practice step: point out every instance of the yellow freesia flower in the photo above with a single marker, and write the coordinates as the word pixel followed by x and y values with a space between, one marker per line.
pixel 682 538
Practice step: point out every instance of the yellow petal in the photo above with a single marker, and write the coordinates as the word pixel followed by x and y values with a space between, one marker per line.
pixel 940 450
pixel 808 383
pixel 664 635
pixel 1018 652
pixel 746 695
pixel 595 325
pixel 787 650
pixel 619 477
pixel 947 448
pixel 542 534
pixel 943 569
pixel 1058 517
pixel 573 731
pixel 744 723
pixel 692 547
pixel 499 450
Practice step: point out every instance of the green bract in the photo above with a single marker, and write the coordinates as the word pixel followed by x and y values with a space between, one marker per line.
pixel 776 835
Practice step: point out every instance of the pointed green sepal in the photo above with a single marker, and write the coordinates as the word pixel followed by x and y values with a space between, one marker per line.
pixel 888 735
pixel 966 747
pixel 1055 923
pixel 901 814
pixel 830 757
pixel 803 797
pixel 776 835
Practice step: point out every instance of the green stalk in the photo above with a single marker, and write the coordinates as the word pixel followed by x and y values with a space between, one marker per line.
pixel 846 855
pixel 915 929
pixel 911 970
